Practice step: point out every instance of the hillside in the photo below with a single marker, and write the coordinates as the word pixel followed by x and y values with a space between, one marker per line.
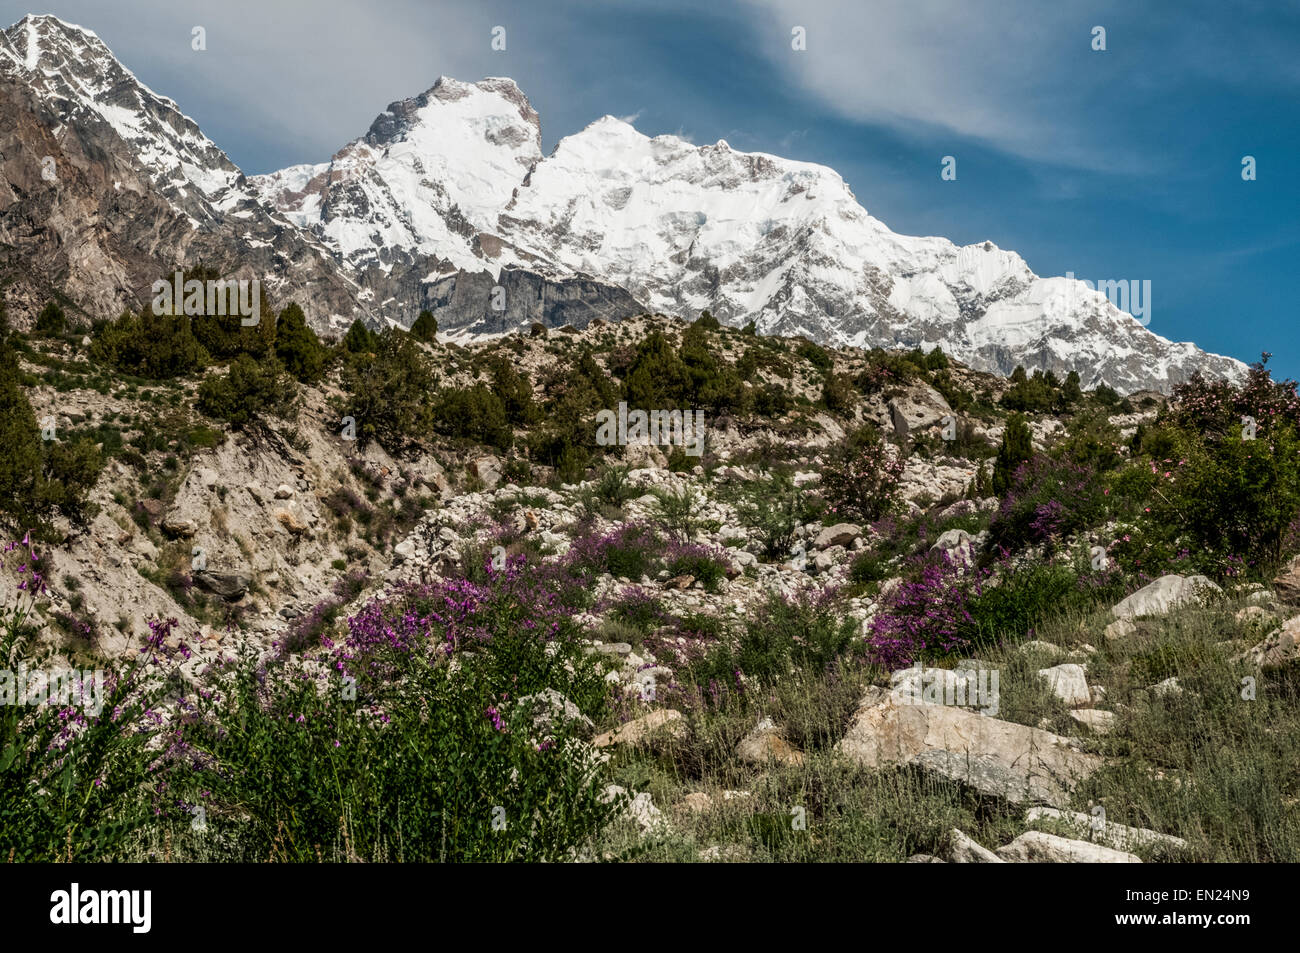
pixel 407 542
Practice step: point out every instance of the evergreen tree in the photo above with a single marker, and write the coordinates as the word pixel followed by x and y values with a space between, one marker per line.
pixel 225 335
pixel 388 391
pixel 656 379
pixel 1017 447
pixel 1071 392
pixel 707 322
pixel 51 320
pixel 148 345
pixel 297 346
pixel 251 389
pixel 39 478
pixel 515 391
pixel 360 339
pixel 425 327
pixel 20 463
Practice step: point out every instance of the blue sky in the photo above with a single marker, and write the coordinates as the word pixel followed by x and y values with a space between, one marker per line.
pixel 1115 164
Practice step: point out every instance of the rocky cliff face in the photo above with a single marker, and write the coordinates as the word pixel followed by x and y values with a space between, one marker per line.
pixel 106 186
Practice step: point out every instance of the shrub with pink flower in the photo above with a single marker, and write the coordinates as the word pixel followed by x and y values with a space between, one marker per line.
pixel 927 614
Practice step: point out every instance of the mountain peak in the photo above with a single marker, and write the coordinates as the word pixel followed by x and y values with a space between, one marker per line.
pixel 44 43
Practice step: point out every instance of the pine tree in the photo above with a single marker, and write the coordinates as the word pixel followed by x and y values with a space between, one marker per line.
pixel 425 327
pixel 20 464
pixel 360 339
pixel 51 320
pixel 297 346
pixel 1017 447
pixel 1071 392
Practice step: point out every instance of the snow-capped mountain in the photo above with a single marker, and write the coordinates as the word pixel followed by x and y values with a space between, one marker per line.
pixel 410 187
pixel 448 197
pixel 786 244
pixel 682 228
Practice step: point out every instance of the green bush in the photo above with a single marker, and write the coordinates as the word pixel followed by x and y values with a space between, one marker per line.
pixel 1049 499
pixel 1224 509
pixel 838 394
pixel 772 508
pixel 782 637
pixel 612 487
pixel 1030 594
pixel 455 771
pixel 818 356
pixel 158 347
pixel 677 511
pixel 73 795
pixel 250 390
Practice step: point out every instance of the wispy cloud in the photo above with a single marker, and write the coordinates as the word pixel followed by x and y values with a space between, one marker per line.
pixel 1018 75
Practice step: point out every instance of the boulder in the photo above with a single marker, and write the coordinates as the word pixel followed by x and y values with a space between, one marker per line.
pixel 1035 847
pixel 965 850
pixel 1038 647
pixel 640 809
pixel 551 710
pixel 697 802
pixel 1097 719
pixel 1286 585
pixel 1001 758
pixel 1106 833
pixel 227 585
pixel 487 469
pixel 1120 629
pixel 639 730
pixel 1069 683
pixel 841 534
pixel 764 744
pixel 919 406
pixel 958 545
pixel 1281 648
pixel 178 527
pixel 1166 593
pixel 292 522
